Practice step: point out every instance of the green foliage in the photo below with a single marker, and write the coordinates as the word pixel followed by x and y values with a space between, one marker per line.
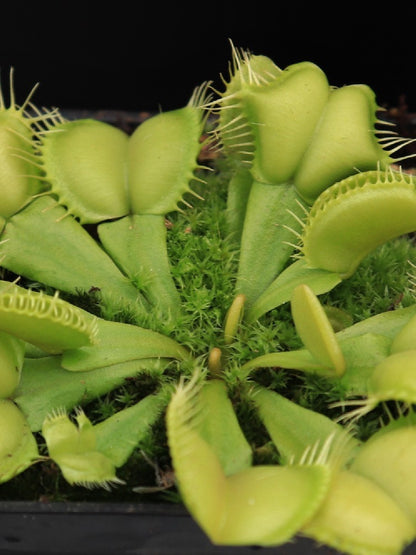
pixel 203 266
pixel 188 355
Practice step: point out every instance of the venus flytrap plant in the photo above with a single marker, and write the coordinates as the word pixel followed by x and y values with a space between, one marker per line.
pixel 57 326
pixel 347 221
pixel 83 343
pixel 306 438
pixel 288 137
pixel 352 503
pixel 295 136
pixel 88 454
pixel 72 446
pixel 261 107
pixel 384 368
pixel 367 348
pixel 49 323
pixel 359 358
pixel 39 238
pixel 373 360
pixel 393 377
pixel 235 505
pixel 162 162
pixel 122 184
pixel 93 189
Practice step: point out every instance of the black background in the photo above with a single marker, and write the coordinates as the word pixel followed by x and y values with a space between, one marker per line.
pixel 146 57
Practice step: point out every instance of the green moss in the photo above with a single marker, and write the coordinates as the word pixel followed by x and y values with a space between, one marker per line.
pixel 381 282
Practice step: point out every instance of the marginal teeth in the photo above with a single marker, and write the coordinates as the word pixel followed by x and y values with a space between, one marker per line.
pixel 330 241
pixel 54 318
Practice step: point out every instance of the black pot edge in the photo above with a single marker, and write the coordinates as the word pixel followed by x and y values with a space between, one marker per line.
pixel 29 528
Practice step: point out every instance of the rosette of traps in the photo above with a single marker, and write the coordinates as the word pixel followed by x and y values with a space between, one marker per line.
pixel 191 297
